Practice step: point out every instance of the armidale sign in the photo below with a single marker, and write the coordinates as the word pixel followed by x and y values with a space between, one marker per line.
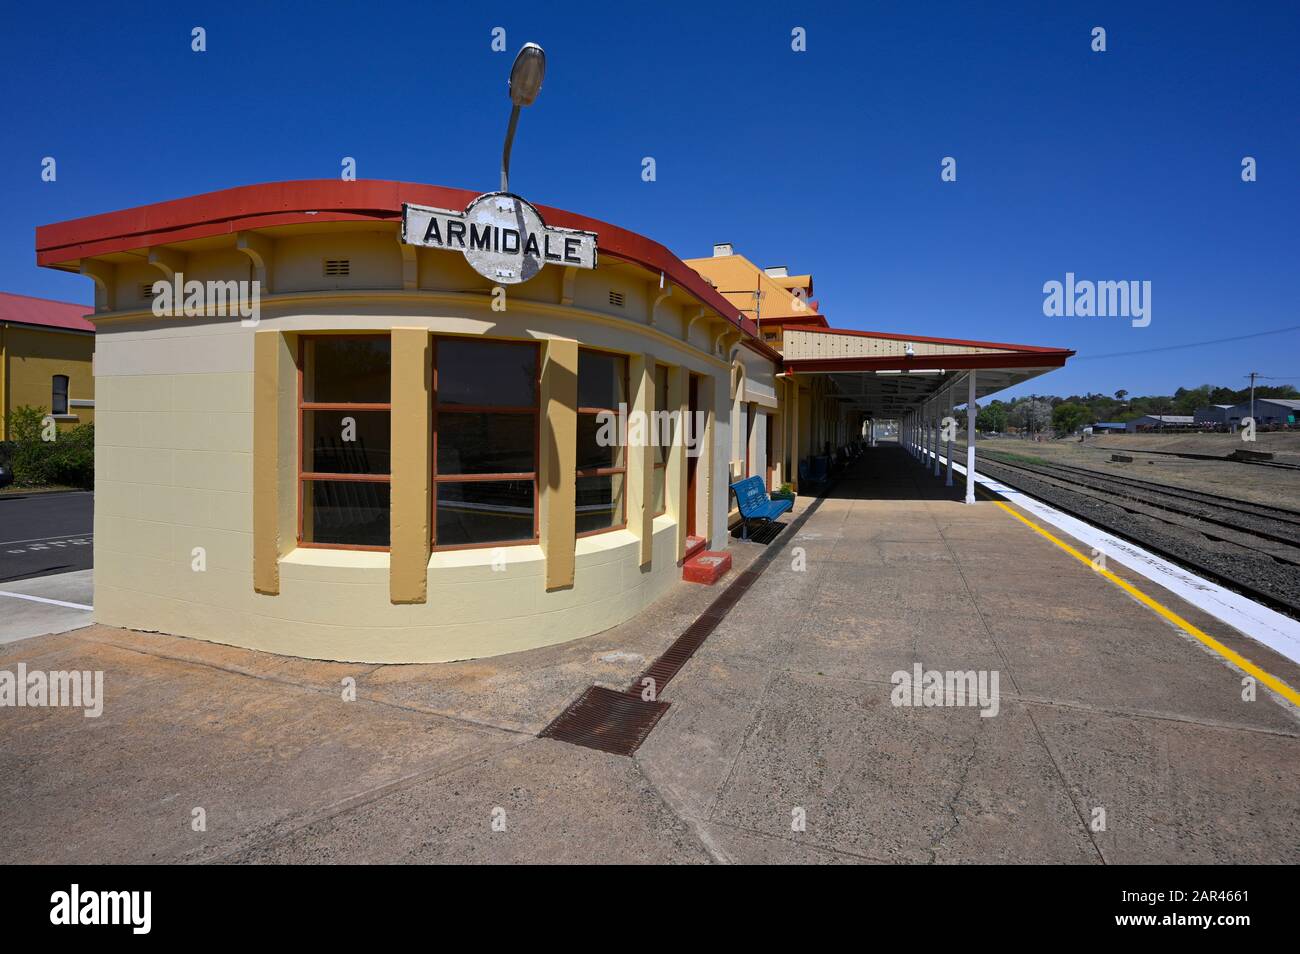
pixel 502 237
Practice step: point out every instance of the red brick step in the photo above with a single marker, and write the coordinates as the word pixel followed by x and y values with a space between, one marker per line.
pixel 693 546
pixel 706 567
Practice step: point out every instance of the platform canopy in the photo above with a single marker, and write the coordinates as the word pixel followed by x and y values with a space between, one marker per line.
pixel 888 375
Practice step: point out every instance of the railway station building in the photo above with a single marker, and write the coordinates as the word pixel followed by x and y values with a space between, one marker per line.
pixel 369 421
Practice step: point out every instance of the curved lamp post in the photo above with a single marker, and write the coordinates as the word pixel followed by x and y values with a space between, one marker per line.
pixel 525 83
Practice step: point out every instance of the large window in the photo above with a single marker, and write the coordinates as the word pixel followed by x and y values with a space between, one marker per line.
pixel 59 394
pixel 344 410
pixel 659 438
pixel 602 456
pixel 484 442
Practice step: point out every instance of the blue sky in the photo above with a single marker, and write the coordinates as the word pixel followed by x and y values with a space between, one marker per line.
pixel 1122 165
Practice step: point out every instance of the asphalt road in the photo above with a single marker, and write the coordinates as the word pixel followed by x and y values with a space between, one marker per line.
pixel 41 534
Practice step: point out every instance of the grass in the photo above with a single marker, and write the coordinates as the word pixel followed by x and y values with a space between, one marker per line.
pixel 1015 458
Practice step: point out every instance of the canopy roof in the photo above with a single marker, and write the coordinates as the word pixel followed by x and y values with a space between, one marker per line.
pixel 886 375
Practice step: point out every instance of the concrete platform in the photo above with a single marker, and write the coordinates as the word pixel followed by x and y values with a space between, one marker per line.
pixel 46 604
pixel 785 714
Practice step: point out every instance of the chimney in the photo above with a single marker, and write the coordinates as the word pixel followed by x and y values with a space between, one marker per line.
pixel 722 249
pixel 777 271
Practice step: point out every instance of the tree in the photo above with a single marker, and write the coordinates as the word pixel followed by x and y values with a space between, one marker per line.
pixel 1187 400
pixel 991 418
pixel 1068 418
pixel 66 461
pixel 1031 414
pixel 1120 395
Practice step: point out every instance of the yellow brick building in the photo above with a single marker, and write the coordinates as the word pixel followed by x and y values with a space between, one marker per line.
pixel 46 359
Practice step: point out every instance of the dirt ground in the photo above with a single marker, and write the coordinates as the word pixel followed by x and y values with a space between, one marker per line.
pixel 1153 459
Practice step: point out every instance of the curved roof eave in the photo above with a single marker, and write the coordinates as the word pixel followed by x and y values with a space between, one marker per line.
pixel 333 200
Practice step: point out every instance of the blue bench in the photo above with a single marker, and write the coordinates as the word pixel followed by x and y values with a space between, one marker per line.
pixel 755 504
pixel 814 470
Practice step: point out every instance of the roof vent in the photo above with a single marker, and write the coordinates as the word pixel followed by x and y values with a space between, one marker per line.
pixel 777 271
pixel 723 249
pixel 616 299
pixel 338 267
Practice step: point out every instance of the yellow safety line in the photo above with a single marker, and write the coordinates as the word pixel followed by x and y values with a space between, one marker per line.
pixel 1241 662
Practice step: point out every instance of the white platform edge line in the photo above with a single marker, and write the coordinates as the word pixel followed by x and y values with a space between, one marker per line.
pixel 1269 627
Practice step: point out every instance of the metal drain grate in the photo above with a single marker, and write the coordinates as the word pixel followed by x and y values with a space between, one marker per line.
pixel 614 722
pixel 684 646
pixel 618 722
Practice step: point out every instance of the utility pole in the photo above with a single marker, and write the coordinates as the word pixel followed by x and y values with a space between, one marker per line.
pixel 1253 376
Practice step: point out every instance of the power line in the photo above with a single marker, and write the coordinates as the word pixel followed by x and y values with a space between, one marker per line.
pixel 1193 344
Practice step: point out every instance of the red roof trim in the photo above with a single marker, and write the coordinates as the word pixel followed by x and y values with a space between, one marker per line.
pixel 333 200
pixel 949 341
pixel 1041 358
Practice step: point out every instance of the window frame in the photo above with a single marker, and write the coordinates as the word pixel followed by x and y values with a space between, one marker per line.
pixel 658 465
pixel 605 471
pixel 305 406
pixel 54 390
pixel 435 480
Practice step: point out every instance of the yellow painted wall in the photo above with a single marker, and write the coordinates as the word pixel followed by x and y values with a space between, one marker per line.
pixel 177 465
pixel 32 356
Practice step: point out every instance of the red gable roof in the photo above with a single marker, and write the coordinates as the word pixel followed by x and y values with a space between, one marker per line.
pixel 45 312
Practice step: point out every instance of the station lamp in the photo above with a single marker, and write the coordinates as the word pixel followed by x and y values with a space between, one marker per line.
pixel 525 83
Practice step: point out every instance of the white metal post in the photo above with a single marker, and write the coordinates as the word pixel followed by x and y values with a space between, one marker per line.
pixel 925 437
pixel 928 437
pixel 948 449
pixel 938 425
pixel 970 439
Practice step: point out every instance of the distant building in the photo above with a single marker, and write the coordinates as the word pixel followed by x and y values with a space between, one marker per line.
pixel 1267 411
pixel 1109 427
pixel 46 349
pixel 1147 421
pixel 1212 414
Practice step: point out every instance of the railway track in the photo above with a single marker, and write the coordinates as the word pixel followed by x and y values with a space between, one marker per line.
pixel 1276 524
pixel 1251 548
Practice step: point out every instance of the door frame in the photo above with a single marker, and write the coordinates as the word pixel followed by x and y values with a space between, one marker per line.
pixel 692 460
